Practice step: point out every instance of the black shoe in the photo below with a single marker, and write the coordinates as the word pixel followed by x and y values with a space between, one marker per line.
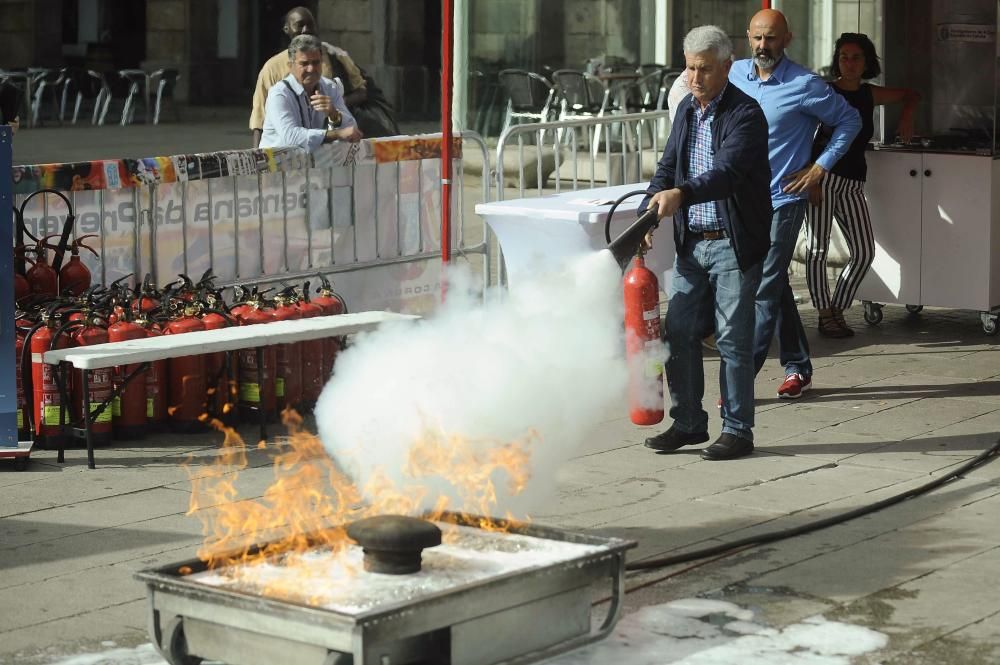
pixel 727 446
pixel 673 439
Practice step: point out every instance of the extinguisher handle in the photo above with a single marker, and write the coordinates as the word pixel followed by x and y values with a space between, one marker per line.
pixel 90 249
pixel 614 206
pixel 44 243
pixel 207 278
pixel 79 243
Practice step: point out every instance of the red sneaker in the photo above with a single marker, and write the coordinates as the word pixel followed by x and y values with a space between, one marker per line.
pixel 794 386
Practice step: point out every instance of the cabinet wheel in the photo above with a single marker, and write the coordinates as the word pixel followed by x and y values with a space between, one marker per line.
pixel 21 463
pixel 174 646
pixel 873 313
pixel 914 309
pixel 989 320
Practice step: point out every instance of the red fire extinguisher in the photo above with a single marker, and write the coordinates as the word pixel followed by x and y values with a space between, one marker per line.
pixel 331 303
pixel 46 406
pixel 643 348
pixel 129 412
pixel 42 277
pixel 121 296
pixel 255 395
pixel 99 385
pixel 188 383
pixel 288 382
pixel 313 352
pixel 21 328
pixel 215 363
pixel 149 297
pixel 157 389
pixel 74 278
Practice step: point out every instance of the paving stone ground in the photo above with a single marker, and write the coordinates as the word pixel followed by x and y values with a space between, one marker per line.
pixel 893 408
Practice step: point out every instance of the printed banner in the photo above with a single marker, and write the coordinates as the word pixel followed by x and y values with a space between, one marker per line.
pixel 251 213
pixel 413 148
pixel 131 173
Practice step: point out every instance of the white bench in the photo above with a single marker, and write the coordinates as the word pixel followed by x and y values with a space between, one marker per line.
pixel 144 351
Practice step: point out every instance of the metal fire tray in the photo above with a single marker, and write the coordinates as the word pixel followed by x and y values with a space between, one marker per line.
pixel 535 606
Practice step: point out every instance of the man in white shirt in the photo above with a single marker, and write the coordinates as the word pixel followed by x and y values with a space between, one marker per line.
pixel 304 109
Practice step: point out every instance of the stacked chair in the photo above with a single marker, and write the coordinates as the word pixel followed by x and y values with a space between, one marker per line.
pixel 530 97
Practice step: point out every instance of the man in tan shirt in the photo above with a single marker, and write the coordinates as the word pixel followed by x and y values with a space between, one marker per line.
pixel 300 21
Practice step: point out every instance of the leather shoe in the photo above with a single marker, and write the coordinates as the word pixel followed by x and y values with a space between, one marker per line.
pixel 673 439
pixel 728 446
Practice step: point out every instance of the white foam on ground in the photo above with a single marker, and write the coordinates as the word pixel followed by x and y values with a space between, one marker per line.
pixel 338 581
pixel 144 654
pixel 684 632
pixel 704 632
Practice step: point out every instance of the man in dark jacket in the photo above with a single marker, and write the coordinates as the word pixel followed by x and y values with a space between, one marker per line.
pixel 713 180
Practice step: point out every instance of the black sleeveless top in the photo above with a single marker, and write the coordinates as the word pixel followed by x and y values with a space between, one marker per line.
pixel 852 165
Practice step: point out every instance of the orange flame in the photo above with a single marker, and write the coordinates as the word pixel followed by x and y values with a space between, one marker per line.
pixel 310 498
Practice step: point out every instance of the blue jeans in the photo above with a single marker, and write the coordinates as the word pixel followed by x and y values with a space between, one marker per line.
pixel 775 303
pixel 707 284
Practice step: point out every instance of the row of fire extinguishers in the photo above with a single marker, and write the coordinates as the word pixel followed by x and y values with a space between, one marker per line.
pixel 181 394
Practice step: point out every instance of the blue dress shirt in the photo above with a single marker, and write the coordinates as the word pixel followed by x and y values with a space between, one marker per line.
pixel 289 119
pixel 795 101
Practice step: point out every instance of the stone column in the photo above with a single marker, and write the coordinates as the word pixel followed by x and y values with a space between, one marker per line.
pixel 31 33
pixel 348 24
pixel 167 45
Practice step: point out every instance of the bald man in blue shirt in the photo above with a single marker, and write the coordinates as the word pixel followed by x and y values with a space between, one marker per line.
pixel 795 101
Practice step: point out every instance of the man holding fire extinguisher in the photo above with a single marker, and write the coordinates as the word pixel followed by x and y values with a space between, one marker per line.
pixel 713 180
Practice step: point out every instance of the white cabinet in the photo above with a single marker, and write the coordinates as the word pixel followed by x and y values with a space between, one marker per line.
pixel 893 193
pixel 937 232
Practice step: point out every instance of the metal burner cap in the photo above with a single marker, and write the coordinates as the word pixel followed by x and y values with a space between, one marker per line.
pixel 393 543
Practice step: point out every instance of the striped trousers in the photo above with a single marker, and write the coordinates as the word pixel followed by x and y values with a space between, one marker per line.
pixel 843 199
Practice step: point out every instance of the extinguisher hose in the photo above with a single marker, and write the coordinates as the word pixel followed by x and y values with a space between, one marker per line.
pixel 64 328
pixel 773 536
pixel 614 206
pixel 66 230
pixel 27 384
pixel 325 283
pixel 341 299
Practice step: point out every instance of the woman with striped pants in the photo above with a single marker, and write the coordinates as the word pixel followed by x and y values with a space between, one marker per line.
pixel 841 194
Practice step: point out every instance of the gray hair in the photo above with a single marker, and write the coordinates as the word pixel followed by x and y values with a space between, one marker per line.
pixel 709 38
pixel 302 44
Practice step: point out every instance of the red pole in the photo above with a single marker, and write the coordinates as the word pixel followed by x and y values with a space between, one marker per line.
pixel 447 23
pixel 765 4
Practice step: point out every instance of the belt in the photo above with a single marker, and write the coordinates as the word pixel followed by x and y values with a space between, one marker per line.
pixel 708 235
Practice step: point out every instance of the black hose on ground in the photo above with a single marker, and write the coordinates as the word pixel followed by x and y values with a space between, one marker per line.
pixel 782 534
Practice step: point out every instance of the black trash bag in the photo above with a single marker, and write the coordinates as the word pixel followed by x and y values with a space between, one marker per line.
pixel 375 115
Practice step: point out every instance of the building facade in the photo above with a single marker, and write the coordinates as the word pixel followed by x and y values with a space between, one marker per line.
pixel 219 45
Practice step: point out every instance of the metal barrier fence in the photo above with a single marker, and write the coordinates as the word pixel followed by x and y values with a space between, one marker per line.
pixel 369 213
pixel 626 140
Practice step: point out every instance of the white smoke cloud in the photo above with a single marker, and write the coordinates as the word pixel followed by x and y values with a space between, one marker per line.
pixel 546 357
